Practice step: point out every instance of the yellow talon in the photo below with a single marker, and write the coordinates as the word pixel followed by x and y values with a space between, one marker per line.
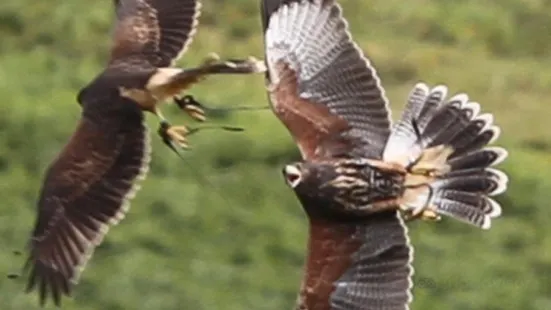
pixel 198 114
pixel 178 135
pixel 429 215
pixel 191 107
pixel 419 213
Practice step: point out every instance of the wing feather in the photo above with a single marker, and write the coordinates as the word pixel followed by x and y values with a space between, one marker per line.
pixel 364 265
pixel 158 30
pixel 86 190
pixel 380 274
pixel 310 38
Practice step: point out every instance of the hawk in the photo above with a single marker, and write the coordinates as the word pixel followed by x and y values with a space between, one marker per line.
pixel 88 186
pixel 360 175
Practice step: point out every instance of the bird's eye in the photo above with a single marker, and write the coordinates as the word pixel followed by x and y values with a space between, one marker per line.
pixel 292 175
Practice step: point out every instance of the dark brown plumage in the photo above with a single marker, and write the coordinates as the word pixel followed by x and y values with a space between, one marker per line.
pixel 88 186
pixel 358 171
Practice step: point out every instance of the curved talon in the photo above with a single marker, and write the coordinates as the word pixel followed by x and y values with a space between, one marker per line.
pixel 173 136
pixel 430 215
pixel 420 213
pixel 191 107
pixel 178 135
pixel 425 214
pixel 196 113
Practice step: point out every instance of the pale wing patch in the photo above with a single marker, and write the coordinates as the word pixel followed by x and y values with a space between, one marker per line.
pixel 312 38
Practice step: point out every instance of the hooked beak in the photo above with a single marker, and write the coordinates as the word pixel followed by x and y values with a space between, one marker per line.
pixel 293 175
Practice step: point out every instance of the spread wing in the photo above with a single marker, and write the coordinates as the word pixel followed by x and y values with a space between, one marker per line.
pixel 364 265
pixel 159 30
pixel 321 86
pixel 85 191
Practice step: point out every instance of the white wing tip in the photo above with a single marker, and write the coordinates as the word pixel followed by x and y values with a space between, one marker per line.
pixel 461 98
pixel 497 132
pixel 487 223
pixel 474 107
pixel 421 86
pixel 487 118
pixel 496 210
pixel 501 152
pixel 441 88
pixel 502 181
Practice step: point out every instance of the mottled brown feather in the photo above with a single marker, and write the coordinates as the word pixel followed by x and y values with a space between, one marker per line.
pixel 157 30
pixel 85 190
pixel 314 128
pixel 330 249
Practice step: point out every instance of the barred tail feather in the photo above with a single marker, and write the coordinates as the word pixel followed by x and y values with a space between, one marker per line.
pixel 449 161
pixel 485 157
pixel 466 195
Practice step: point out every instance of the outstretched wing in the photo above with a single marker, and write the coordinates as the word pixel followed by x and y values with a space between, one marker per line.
pixel 362 265
pixel 321 86
pixel 158 30
pixel 86 190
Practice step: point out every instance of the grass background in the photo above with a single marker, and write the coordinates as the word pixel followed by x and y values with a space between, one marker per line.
pixel 220 230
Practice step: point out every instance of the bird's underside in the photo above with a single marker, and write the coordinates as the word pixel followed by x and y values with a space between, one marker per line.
pixel 328 95
pixel 357 167
pixel 330 100
pixel 88 187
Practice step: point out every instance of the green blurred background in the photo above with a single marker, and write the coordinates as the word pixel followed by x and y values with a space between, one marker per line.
pixel 220 230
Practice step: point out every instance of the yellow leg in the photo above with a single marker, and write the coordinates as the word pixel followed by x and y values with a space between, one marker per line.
pixel 426 214
pixel 178 135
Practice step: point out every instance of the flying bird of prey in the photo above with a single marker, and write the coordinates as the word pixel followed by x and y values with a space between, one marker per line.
pixel 88 186
pixel 360 175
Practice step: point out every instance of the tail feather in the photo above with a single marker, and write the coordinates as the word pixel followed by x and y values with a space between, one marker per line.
pixel 484 138
pixel 488 181
pixel 463 212
pixel 459 117
pixel 478 201
pixel 476 126
pixel 486 157
pixel 404 129
pixel 422 104
pixel 448 157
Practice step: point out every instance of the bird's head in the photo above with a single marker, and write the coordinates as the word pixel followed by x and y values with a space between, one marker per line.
pixel 302 176
pixel 313 182
pixel 341 186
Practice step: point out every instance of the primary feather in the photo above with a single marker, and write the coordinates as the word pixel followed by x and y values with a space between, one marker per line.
pixel 312 39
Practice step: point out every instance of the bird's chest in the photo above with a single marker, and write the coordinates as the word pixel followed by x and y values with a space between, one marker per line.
pixel 367 188
pixel 384 184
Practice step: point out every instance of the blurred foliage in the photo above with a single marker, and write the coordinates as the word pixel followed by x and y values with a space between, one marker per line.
pixel 220 230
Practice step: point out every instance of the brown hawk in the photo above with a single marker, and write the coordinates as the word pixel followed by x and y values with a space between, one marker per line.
pixel 88 186
pixel 358 171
